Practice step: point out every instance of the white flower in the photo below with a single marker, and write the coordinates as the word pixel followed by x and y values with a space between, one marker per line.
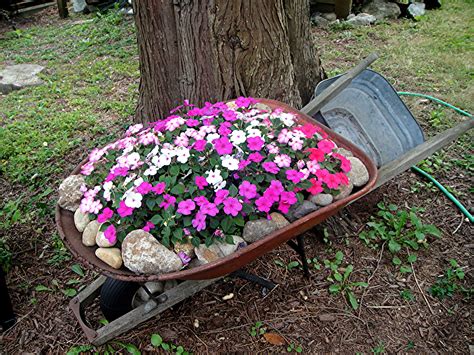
pixel 214 177
pixel 108 186
pixel 237 137
pixel 133 159
pixel 163 160
pixel 230 162
pixel 288 119
pixel 182 155
pixel 170 153
pixel 219 186
pixel 151 171
pixel 138 181
pixel 134 129
pixel 212 136
pixel 254 132
pixel 133 199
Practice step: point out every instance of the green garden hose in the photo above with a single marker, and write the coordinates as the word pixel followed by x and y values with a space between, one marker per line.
pixel 424 173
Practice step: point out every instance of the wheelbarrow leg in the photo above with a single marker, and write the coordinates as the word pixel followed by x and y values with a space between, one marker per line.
pixel 266 284
pixel 299 248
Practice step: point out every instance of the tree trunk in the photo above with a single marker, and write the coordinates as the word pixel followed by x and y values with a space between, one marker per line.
pixel 219 49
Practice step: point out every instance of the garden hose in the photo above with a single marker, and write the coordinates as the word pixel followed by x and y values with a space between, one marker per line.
pixel 424 173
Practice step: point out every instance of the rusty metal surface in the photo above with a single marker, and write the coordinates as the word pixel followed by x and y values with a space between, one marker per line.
pixel 223 266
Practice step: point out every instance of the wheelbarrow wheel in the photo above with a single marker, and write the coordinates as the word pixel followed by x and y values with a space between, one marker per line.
pixel 116 298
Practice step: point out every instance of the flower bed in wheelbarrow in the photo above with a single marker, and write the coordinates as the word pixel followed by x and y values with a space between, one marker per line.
pixel 207 190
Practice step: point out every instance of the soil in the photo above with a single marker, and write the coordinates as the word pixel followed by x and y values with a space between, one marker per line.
pixel 300 310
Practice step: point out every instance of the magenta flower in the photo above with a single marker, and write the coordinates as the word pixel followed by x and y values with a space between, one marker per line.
pixel 288 197
pixel 224 129
pixel 255 157
pixel 185 207
pixel 199 222
pixel 106 214
pixel 192 122
pixel 221 196
pixel 232 206
pixel 247 190
pixel 200 182
pixel 124 210
pixel 245 101
pixel 159 188
pixel 110 234
pixel 168 201
pixel 201 200
pixel 223 146
pixel 326 146
pixel 294 176
pixel 243 164
pixel 144 188
pixel 230 115
pixel 255 143
pixel 200 145
pixel 263 204
pixel 209 209
pixel 185 259
pixel 270 167
pixel 148 226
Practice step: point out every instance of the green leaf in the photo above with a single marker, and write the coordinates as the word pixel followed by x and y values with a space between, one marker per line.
pixel 279 263
pixel 233 191
pixel 177 189
pixel 360 284
pixel 334 288
pixel 150 202
pixel 352 300
pixel 405 269
pixel 337 276
pixel 174 170
pixel 453 263
pixel 227 223
pixel 132 349
pixel 156 219
pixel 70 292
pixel 156 340
pixel 339 255
pixel 432 230
pixel 396 261
pixel 411 258
pixel 348 271
pixel 239 221
pixel 292 265
pixel 393 246
pixel 165 346
pixel 42 288
pixel 77 269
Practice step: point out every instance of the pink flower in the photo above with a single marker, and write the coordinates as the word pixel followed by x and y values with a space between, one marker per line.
pixel 245 101
pixel 232 206
pixel 316 188
pixel 344 180
pixel 168 201
pixel 263 204
pixel 201 200
pixel 345 163
pixel 308 129
pixel 288 197
pixel 224 129
pixel 220 196
pixel 322 174
pixel 294 176
pixel 247 190
pixel 255 157
pixel 200 145
pixel 283 161
pixel 87 169
pixel 255 143
pixel 144 188
pixel 201 182
pixel 230 115
pixel 223 146
pixel 316 154
pixel 185 259
pixel 243 164
pixel 284 136
pixel 185 207
pixel 191 122
pixel 159 188
pixel 332 181
pixel 124 210
pixel 106 214
pixel 110 234
pixel 148 226
pixel 326 146
pixel 209 209
pixel 270 167
pixel 199 222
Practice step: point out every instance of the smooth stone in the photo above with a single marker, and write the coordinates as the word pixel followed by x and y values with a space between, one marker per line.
pixel 260 106
pixel 258 229
pixel 299 210
pixel 361 20
pixel 382 9
pixel 330 16
pixel 345 190
pixel 195 263
pixel 81 220
pixel 70 193
pixel 279 220
pixel 320 21
pixel 102 241
pixel 186 248
pixel 90 233
pixel 322 199
pixel 359 175
pixel 208 254
pixel 227 249
pixel 344 152
pixel 110 256
pixel 142 253
pixel 416 9
pixel 16 77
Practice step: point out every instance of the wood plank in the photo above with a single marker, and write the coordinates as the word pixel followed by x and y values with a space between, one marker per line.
pixel 62 8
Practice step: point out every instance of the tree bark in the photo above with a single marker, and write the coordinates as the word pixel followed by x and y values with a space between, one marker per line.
pixel 211 50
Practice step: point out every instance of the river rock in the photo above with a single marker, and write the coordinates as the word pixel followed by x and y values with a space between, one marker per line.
pixel 227 249
pixel 345 190
pixel 344 152
pixel 320 21
pixel 257 229
pixel 208 254
pixel 321 199
pixel 81 220
pixel 70 193
pixel 279 220
pixel 299 210
pixel 382 9
pixel 16 77
pixel 186 248
pixel 102 241
pixel 260 106
pixel 90 233
pixel 416 10
pixel 110 256
pixel 143 254
pixel 361 19
pixel 359 175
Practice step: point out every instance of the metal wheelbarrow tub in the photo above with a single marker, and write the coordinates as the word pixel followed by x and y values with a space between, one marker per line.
pixel 370 114
pixel 223 266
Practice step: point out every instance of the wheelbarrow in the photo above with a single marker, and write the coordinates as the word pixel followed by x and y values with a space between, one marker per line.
pixel 195 279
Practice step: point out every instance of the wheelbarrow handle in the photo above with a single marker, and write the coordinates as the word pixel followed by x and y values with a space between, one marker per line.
pixel 340 84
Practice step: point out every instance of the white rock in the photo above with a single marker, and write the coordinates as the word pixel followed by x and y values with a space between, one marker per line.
pixel 359 175
pixel 345 190
pixel 362 19
pixel 142 253
pixel 258 229
pixel 81 220
pixel 102 241
pixel 110 256
pixel 279 220
pixel 208 254
pixel 15 77
pixel 322 199
pixel 344 152
pixel 228 249
pixel 90 233
pixel 70 192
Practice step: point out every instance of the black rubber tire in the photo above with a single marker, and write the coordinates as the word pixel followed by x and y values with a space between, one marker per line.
pixel 116 297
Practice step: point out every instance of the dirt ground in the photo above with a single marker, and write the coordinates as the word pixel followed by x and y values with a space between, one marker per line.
pixel 300 310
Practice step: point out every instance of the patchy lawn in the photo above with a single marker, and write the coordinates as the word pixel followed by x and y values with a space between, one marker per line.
pixel 91 87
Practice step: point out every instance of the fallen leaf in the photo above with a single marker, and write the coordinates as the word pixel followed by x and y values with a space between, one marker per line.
pixel 274 339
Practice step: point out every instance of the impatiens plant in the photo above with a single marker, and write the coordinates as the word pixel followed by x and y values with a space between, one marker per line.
pixel 201 173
